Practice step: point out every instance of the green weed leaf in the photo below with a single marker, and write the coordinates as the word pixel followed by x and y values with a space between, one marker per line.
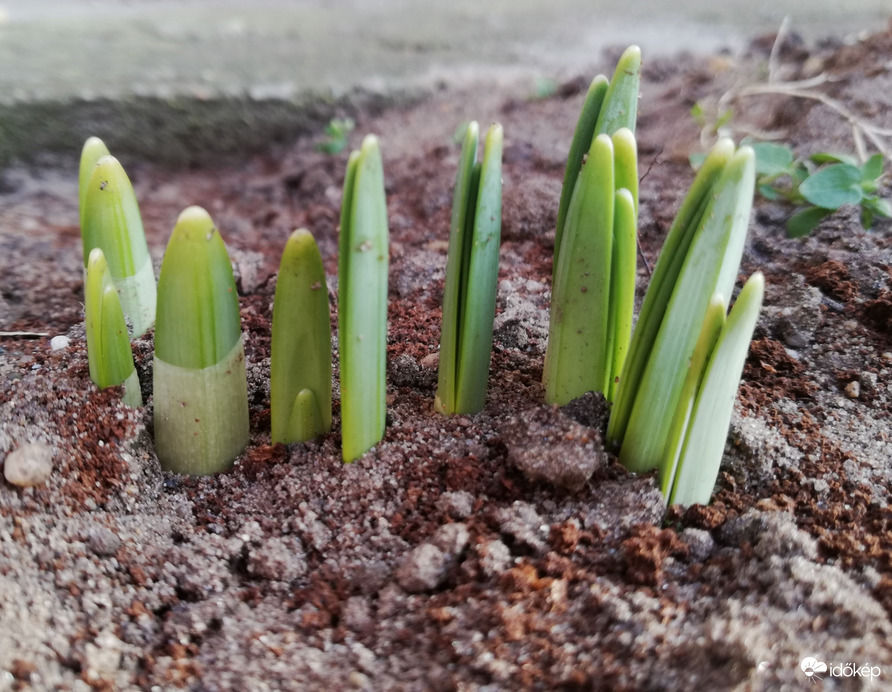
pixel 772 159
pixel 769 192
pixel 833 186
pixel 823 157
pixel 873 168
pixel 871 207
pixel 802 223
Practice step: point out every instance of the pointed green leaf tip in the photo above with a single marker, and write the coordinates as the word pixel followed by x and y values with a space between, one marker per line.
pixel 300 382
pixel 199 323
pixel 108 345
pixel 200 384
pixel 110 220
pixel 362 301
pixel 472 269
pixel 94 149
pixel 608 108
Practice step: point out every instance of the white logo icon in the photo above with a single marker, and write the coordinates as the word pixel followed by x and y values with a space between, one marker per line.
pixel 812 666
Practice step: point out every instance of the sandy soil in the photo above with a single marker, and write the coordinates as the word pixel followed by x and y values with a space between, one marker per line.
pixel 433 563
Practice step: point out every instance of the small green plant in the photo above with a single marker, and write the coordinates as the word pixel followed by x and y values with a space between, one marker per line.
pixel 300 380
pixel 110 220
pixel 108 344
pixel 819 184
pixel 594 272
pixel 469 295
pixel 672 408
pixel 336 135
pixel 544 88
pixel 200 384
pixel 363 260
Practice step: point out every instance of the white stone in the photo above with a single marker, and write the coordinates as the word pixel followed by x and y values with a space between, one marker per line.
pixel 57 343
pixel 31 464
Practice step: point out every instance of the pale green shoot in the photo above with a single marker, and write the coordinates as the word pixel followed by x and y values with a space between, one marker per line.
pixel 300 380
pixel 469 298
pixel 110 220
pixel 108 345
pixel 362 301
pixel 200 384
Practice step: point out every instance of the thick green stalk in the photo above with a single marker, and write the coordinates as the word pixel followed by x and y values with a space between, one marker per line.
pixel 452 288
pixel 625 164
pixel 108 345
pixel 471 277
pixel 300 380
pixel 110 220
pixel 709 334
pixel 362 301
pixel 710 266
pixel 704 444
pixel 481 280
pixel 623 273
pixel 200 384
pixel 659 291
pixel 577 359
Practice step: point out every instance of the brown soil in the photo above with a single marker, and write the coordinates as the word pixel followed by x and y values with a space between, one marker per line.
pixel 433 562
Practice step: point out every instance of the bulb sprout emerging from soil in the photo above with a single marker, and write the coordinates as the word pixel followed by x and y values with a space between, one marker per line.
pixel 108 344
pixel 677 389
pixel 110 220
pixel 200 383
pixel 363 261
pixel 594 266
pixel 469 296
pixel 300 380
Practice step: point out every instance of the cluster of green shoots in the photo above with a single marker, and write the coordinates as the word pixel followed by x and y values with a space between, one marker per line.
pixel 672 382
pixel 199 383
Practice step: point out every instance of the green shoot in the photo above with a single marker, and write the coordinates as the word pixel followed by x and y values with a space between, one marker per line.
pixel 362 301
pixel 300 381
pixel 700 257
pixel 108 345
pixel 608 107
pixel 110 220
pixel 200 384
pixel 690 479
pixel 94 149
pixel 336 134
pixel 594 285
pixel 469 298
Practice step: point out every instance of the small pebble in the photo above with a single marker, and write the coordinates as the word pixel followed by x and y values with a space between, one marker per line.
pixel 853 389
pixel 57 343
pixel 430 361
pixel 29 465
pixel 887 356
pixel 103 541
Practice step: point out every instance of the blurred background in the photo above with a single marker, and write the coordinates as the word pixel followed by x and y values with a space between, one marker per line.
pixel 272 68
